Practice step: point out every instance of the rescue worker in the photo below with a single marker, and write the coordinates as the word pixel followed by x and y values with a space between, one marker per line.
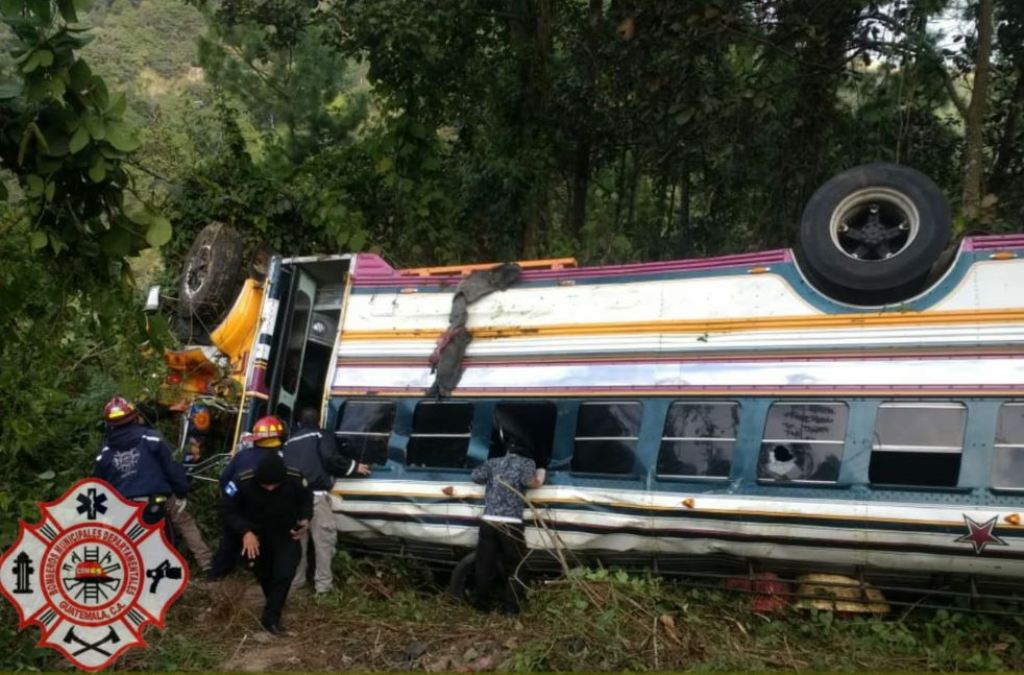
pixel 265 438
pixel 271 507
pixel 315 454
pixel 500 540
pixel 137 462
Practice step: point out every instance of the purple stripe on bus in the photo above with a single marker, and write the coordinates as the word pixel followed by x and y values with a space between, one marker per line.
pixel 371 270
pixel 989 242
pixel 626 389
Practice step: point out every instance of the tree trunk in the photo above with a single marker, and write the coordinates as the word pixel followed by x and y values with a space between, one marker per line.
pixel 975 120
pixel 634 182
pixel 580 182
pixel 683 239
pixel 1008 150
pixel 531 31
pixel 581 153
pixel 620 189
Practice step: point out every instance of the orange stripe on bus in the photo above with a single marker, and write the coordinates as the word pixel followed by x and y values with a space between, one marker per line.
pixel 922 319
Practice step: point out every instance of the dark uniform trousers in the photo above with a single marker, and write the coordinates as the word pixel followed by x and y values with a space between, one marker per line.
pixel 499 551
pixel 275 568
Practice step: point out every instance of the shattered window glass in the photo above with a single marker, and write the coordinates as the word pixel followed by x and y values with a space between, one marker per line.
pixel 698 440
pixel 363 429
pixel 803 442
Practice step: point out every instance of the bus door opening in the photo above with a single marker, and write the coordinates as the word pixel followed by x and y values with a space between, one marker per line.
pixel 306 332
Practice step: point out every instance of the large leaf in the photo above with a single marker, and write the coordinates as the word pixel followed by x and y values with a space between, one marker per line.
pixel 159 232
pixel 118 104
pixel 31 63
pixel 97 129
pixel 80 75
pixel 34 185
pixel 141 217
pixel 38 240
pixel 79 139
pixel 67 10
pixel 41 8
pixel 119 136
pixel 98 170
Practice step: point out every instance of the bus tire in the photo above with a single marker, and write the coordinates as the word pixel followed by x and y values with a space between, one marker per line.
pixel 871 234
pixel 460 583
pixel 211 276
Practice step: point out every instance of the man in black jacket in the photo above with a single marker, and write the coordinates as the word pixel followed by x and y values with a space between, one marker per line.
pixel 315 454
pixel 272 508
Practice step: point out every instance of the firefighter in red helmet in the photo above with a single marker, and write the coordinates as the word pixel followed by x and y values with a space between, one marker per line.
pixel 137 462
pixel 268 432
pixel 118 412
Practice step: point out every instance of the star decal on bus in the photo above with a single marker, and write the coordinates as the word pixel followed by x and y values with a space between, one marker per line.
pixel 981 535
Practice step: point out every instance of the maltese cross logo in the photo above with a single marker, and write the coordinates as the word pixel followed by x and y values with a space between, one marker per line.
pixel 81 574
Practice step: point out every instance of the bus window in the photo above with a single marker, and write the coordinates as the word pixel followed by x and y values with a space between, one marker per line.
pixel 440 435
pixel 802 442
pixel 918 443
pixel 698 440
pixel 363 430
pixel 528 425
pixel 606 437
pixel 1008 462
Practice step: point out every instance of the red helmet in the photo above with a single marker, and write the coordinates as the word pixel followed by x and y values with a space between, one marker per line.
pixel 268 432
pixel 118 411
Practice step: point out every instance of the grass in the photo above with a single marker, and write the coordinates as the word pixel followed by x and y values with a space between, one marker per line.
pixel 388 615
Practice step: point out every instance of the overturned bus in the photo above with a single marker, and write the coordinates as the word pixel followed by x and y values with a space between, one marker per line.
pixel 856 407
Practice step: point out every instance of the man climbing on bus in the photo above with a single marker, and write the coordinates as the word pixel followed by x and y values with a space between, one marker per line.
pixel 315 454
pixel 500 542
pixel 138 463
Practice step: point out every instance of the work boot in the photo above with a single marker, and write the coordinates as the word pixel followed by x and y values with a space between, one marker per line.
pixel 274 628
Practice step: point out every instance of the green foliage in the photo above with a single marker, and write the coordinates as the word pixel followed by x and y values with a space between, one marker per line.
pixel 296 96
pixel 141 47
pixel 609 132
pixel 66 352
pixel 67 348
pixel 73 334
pixel 65 138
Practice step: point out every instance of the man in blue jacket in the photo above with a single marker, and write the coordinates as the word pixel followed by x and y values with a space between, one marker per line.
pixel 137 462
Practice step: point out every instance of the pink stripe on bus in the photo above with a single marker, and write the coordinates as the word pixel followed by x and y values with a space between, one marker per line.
pixel 371 270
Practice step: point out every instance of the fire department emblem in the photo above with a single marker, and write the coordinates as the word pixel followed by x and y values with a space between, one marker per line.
pixel 91 574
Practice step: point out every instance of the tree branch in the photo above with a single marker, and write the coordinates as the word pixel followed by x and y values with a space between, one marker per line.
pixel 954 95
